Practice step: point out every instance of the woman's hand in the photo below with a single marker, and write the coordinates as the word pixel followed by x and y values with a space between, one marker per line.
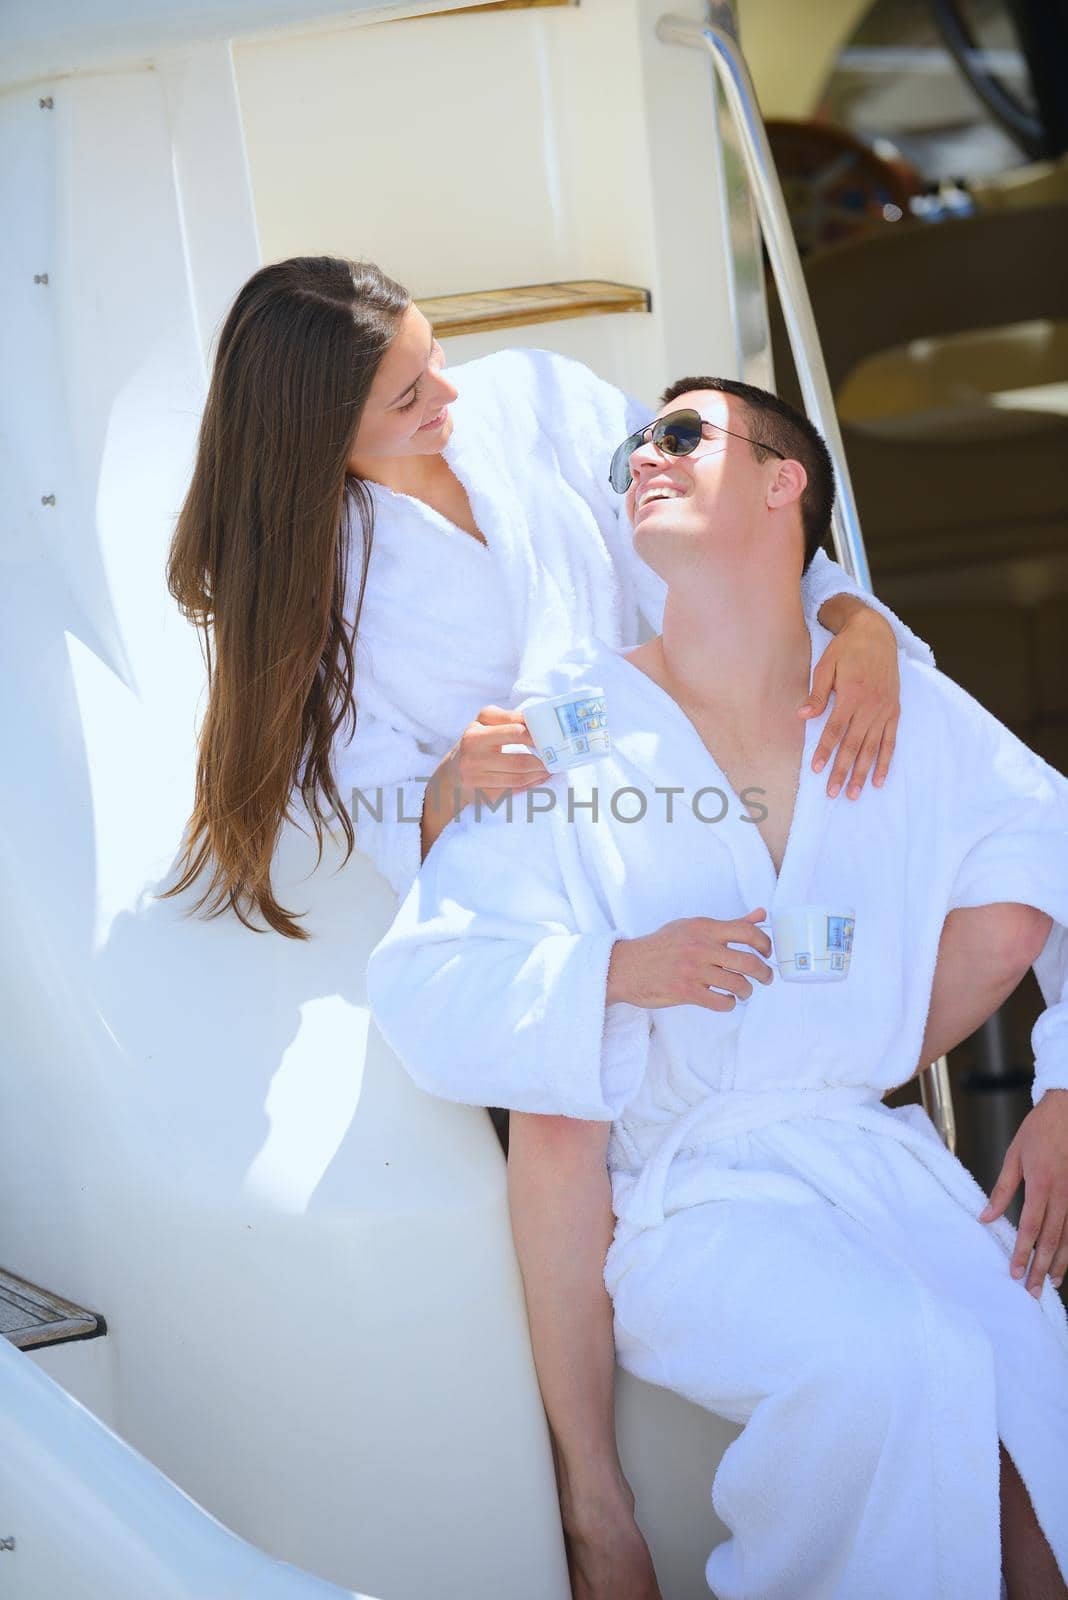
pixel 478 764
pixel 860 666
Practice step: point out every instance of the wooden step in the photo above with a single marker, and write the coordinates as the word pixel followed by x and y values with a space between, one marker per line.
pixel 31 1317
pixel 504 5
pixel 489 309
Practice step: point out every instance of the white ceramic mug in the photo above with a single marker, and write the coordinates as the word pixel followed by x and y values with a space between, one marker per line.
pixel 813 944
pixel 570 729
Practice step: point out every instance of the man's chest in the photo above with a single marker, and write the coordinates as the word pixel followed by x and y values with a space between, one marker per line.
pixel 761 764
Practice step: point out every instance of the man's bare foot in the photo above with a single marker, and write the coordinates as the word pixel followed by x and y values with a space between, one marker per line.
pixel 607 1556
pixel 619 1568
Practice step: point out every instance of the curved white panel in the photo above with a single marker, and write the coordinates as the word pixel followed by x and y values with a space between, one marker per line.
pixel 305 1264
pixel 88 1516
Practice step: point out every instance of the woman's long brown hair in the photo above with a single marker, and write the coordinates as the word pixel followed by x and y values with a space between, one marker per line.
pixel 259 562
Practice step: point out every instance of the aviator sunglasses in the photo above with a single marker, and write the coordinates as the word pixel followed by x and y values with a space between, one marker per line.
pixel 677 434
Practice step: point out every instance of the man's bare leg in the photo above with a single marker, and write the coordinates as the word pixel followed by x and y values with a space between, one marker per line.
pixel 561 1206
pixel 1026 1559
pixel 983 954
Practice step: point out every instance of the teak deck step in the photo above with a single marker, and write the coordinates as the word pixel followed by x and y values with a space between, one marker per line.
pixel 488 309
pixel 504 5
pixel 31 1317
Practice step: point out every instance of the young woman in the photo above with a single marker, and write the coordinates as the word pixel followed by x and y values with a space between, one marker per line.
pixel 380 559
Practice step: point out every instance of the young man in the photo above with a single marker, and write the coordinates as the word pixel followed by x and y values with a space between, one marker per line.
pixel 788 1252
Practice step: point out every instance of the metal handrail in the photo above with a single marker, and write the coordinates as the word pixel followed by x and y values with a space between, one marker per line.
pixel 936 1093
pixel 717 38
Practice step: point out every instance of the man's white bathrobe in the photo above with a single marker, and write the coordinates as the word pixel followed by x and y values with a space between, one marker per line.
pixel 789 1252
pixel 450 625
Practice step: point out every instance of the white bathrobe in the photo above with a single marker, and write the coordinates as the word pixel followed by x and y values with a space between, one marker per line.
pixel 789 1252
pixel 449 625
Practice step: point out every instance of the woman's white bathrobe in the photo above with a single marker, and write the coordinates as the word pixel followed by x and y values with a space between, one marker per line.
pixel 790 1252
pixel 449 625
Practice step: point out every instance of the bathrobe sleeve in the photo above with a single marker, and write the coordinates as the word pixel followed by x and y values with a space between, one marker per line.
pixel 490 985
pixel 382 776
pixel 588 418
pixel 1009 808
pixel 825 578
pixel 1049 1037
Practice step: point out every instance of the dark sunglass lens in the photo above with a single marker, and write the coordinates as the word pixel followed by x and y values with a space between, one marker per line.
pixel 680 434
pixel 619 471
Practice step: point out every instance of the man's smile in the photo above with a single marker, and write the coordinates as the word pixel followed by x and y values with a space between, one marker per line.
pixel 657 489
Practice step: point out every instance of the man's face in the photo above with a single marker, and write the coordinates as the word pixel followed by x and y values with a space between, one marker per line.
pixel 699 502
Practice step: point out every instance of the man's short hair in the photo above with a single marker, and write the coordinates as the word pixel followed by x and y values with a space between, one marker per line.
pixel 786 430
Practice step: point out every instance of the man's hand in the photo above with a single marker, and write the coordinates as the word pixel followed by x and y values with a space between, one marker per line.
pixel 1039 1156
pixel 684 963
pixel 860 666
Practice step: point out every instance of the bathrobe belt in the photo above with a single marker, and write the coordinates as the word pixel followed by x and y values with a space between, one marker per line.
pixel 724 1114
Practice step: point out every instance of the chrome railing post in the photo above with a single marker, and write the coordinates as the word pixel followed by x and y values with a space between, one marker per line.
pixel 719 42
pixel 717 38
pixel 937 1096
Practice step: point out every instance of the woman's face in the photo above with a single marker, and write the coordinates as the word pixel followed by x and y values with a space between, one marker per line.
pixel 407 409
